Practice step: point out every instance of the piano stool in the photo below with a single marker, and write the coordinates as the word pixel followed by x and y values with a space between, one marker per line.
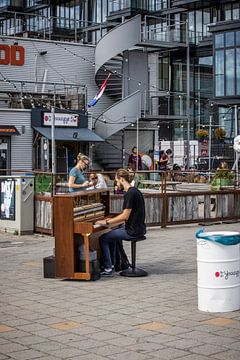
pixel 134 271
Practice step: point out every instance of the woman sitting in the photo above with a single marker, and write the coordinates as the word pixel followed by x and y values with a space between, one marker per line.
pixel 96 181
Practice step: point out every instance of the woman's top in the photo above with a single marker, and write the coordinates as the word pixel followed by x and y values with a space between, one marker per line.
pixel 79 179
pixel 163 162
pixel 132 162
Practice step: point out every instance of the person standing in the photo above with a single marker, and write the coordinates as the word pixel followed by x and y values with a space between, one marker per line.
pixel 135 158
pixel 132 216
pixel 163 160
pixel 77 180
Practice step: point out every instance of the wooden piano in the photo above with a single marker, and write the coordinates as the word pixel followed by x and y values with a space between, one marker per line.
pixel 74 217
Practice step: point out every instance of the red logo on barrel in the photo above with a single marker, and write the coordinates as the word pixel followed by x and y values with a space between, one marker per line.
pixel 217 273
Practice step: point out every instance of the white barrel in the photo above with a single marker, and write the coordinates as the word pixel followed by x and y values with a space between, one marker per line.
pixel 218 274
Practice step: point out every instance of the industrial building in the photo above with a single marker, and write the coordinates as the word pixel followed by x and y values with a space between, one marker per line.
pixel 173 67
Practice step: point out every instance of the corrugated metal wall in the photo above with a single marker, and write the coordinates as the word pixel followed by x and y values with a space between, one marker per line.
pixel 21 145
pixel 65 62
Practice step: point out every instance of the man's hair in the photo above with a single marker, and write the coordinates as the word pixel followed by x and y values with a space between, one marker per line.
pixel 123 173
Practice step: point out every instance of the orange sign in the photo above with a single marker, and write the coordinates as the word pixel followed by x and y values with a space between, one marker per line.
pixel 12 55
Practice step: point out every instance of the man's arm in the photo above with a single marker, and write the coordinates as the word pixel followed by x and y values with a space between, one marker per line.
pixel 117 219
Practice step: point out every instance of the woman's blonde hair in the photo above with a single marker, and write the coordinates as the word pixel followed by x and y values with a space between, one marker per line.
pixel 82 157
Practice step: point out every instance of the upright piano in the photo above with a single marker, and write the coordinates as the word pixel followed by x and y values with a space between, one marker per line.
pixel 74 222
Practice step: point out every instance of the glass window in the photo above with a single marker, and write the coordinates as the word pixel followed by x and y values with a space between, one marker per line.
pixel 206 21
pixel 238 70
pixel 104 10
pixel 179 77
pixel 237 38
pixel 163 73
pixel 219 73
pixel 191 26
pixel 227 12
pixel 199 20
pixel 236 10
pixel 219 41
pixel 230 72
pixel 229 39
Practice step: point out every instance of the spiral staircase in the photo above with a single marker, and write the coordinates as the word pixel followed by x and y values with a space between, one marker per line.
pixel 109 58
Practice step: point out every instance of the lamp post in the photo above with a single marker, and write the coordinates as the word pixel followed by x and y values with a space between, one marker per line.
pixel 210 147
pixel 53 137
pixel 236 134
pixel 137 143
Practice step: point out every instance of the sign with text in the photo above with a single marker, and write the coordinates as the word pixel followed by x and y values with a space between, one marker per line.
pixel 61 119
pixel 7 211
pixel 203 147
pixel 12 55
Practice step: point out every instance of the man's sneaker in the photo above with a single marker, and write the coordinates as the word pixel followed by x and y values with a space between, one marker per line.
pixel 107 272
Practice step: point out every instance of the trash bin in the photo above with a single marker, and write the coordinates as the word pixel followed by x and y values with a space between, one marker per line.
pixel 218 266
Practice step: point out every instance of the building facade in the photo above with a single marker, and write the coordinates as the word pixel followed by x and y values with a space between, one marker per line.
pixel 174 67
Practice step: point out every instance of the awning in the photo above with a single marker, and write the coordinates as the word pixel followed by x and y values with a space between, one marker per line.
pixel 8 130
pixel 64 134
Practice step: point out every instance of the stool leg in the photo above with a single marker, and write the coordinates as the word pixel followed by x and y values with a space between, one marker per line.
pixel 133 251
pixel 133 271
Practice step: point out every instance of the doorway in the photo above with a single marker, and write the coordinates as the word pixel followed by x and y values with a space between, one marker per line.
pixel 4 155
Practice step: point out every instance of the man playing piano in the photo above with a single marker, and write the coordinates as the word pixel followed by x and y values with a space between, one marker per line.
pixel 132 218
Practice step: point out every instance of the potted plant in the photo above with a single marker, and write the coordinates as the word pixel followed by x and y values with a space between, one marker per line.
pixel 202 134
pixel 221 178
pixel 220 134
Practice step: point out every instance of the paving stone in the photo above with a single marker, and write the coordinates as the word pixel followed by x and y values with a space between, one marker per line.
pixel 168 354
pixel 4 357
pixel 129 355
pixel 30 340
pixel 48 357
pixel 183 343
pixel 194 357
pixel 129 322
pixel 229 355
pixel 145 347
pixel 102 335
pixel 26 354
pixel 107 350
pixel 65 325
pixel 88 357
pixel 4 328
pixel 48 345
pixel 154 326
pixel 67 352
pixel 8 348
pixel 219 321
pixel 207 349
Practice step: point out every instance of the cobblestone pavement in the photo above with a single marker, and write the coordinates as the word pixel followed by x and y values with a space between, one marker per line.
pixel 117 318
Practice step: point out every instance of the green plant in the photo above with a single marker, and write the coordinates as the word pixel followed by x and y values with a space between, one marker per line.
pixel 222 177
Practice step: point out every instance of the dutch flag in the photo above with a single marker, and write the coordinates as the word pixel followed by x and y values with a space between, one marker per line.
pixel 99 94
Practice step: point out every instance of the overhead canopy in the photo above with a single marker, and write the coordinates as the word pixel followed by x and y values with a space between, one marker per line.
pixel 66 134
pixel 8 130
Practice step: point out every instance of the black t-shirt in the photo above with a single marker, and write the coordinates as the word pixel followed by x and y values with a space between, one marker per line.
pixel 133 199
